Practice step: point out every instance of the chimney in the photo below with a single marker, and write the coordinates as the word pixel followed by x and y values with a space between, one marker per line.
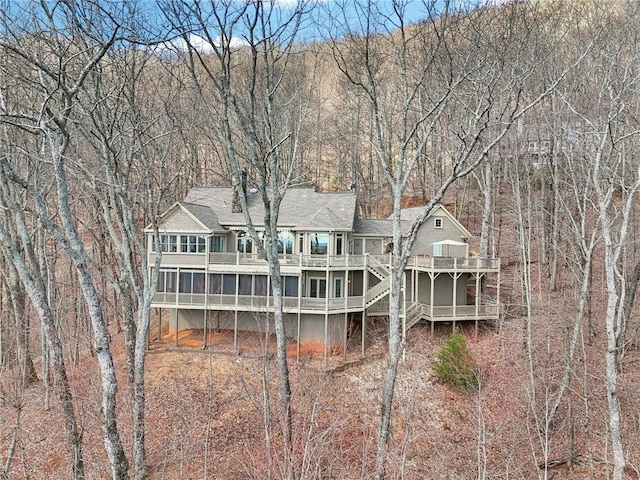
pixel 244 181
pixel 238 178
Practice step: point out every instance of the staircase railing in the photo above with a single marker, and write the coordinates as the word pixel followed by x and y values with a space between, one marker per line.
pixel 413 315
pixel 378 268
pixel 377 292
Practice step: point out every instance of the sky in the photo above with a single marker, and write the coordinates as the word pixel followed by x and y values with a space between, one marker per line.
pixel 335 16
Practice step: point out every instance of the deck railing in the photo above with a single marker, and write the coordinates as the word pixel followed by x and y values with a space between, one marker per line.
pixel 257 303
pixel 331 305
pixel 357 261
pixel 308 261
pixel 459 312
pixel 454 263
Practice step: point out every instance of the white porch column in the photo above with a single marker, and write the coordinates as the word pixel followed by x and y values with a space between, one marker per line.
pixel 299 313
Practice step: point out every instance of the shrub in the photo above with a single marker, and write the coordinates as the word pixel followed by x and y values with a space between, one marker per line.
pixel 456 365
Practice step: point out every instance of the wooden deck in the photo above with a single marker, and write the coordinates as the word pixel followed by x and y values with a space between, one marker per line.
pixel 234 262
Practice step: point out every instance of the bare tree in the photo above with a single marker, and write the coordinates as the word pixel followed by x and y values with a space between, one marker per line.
pixel 18 247
pixel 474 88
pixel 55 66
pixel 258 109
pixel 126 130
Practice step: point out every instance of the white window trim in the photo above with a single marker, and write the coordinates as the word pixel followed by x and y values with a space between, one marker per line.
pixel 438 220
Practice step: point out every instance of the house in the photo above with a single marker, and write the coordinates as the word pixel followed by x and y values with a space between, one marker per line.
pixel 335 267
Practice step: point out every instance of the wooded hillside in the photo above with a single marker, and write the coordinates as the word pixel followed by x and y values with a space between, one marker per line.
pixel 522 117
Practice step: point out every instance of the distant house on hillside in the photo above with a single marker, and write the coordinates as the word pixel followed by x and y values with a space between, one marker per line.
pixel 335 267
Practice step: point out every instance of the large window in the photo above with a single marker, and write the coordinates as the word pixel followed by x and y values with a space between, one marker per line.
pixel 285 242
pixel 191 281
pixel 260 285
pixel 219 283
pixel 319 243
pixel 216 244
pixel 244 284
pixel 229 284
pixel 245 244
pixel 167 281
pixel 192 244
pixel 168 243
pixel 290 285
pixel 318 288
pixel 215 283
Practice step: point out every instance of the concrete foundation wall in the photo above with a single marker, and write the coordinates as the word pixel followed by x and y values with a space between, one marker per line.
pixel 312 327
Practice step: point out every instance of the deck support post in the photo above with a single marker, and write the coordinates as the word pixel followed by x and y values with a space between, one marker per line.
pixel 177 326
pixel 298 337
pixel 344 340
pixel 326 329
pixel 206 324
pixel 299 314
pixel 364 332
pixel 235 329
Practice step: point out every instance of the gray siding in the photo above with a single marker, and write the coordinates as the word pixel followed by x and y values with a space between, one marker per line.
pixel 428 234
pixel 180 221
pixel 443 290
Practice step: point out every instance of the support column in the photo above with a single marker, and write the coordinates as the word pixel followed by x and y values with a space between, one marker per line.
pixel 432 278
pixel 235 318
pixel 403 294
pixel 455 294
pixel 235 329
pixel 326 329
pixel 206 323
pixel 177 326
pixel 498 296
pixel 478 293
pixel 299 314
pixel 344 340
pixel 364 333
pixel 206 294
pixel 327 292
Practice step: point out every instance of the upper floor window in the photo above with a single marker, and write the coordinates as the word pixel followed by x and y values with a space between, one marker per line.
pixel 192 244
pixel 285 242
pixel 339 244
pixel 245 244
pixel 437 222
pixel 319 243
pixel 216 244
pixel 168 243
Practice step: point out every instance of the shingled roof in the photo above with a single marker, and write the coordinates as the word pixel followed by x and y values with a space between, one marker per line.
pixel 378 228
pixel 301 208
pixel 205 215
